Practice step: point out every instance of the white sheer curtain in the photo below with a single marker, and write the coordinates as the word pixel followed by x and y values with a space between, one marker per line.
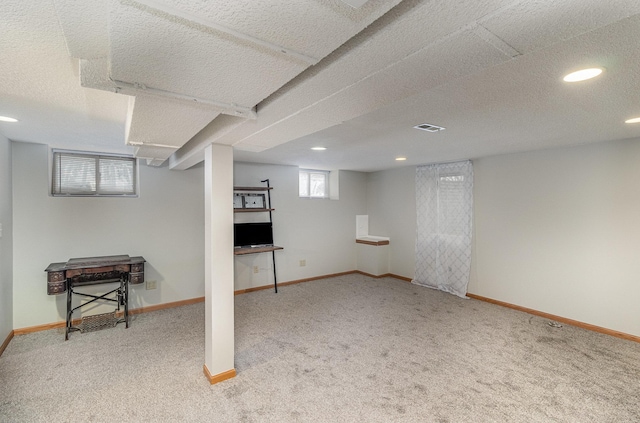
pixel 444 206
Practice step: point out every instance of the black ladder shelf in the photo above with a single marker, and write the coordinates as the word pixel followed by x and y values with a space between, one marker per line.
pixel 263 249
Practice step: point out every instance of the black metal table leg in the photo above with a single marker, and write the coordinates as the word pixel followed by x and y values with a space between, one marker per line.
pixel 275 280
pixel 126 300
pixel 69 310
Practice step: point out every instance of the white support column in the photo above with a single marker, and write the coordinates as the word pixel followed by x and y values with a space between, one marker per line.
pixel 218 261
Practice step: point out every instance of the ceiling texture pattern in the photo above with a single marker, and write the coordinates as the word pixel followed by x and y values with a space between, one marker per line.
pixel 162 79
pixel 192 61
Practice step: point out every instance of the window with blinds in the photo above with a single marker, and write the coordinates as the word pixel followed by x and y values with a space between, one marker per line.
pixel 86 174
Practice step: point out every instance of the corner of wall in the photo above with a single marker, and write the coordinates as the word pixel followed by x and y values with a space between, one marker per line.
pixel 6 239
pixel 334 185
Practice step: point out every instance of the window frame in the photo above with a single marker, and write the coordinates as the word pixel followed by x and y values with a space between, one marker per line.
pixel 54 173
pixel 309 172
pixel 445 181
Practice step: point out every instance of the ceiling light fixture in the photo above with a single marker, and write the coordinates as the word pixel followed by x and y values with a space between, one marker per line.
pixel 400 159
pixel 8 119
pixel 582 75
pixel 318 148
pixel 633 120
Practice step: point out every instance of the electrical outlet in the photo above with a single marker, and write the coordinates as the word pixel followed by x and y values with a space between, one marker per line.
pixel 256 269
pixel 303 263
pixel 151 284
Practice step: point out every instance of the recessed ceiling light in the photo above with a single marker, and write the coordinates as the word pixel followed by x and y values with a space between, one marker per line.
pixel 7 119
pixel 582 75
pixel 634 120
pixel 401 159
pixel 319 148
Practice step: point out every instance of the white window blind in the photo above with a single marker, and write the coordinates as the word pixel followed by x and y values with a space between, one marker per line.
pixel 84 174
pixel 314 183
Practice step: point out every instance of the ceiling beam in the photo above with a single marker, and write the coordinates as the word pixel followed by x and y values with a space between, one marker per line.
pixel 226 108
pixel 173 11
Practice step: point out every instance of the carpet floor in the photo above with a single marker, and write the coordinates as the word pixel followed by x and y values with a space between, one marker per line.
pixel 348 349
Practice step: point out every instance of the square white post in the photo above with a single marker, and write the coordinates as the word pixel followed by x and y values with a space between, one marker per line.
pixel 218 272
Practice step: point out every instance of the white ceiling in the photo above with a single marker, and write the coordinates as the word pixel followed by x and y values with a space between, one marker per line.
pixel 164 78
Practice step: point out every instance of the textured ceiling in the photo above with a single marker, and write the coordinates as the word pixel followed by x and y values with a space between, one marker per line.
pixel 519 105
pixel 164 78
pixel 172 55
pixel 195 60
pixel 39 85
pixel 495 93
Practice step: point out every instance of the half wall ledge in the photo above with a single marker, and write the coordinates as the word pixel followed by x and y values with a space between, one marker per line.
pixel 373 240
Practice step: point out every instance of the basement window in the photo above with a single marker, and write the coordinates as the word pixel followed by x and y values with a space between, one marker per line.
pixel 313 183
pixel 95 175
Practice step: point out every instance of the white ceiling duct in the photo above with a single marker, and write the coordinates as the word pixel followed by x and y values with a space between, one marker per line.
pixel 489 71
pixel 225 57
pixel 356 4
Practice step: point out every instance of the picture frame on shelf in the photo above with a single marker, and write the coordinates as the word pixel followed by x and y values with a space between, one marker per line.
pixel 254 201
pixel 238 201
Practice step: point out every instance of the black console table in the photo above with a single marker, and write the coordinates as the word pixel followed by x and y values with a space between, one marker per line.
pixel 78 272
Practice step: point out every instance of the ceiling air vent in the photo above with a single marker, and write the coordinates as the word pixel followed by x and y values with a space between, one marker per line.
pixel 429 128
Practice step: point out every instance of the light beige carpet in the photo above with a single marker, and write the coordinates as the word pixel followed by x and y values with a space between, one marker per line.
pixel 345 349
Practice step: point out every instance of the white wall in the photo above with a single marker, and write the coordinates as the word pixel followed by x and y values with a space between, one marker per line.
pixel 391 205
pixel 321 232
pixel 6 242
pixel 559 231
pixel 556 230
pixel 165 225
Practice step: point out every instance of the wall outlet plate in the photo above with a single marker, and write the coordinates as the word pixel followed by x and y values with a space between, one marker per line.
pixel 303 263
pixel 151 284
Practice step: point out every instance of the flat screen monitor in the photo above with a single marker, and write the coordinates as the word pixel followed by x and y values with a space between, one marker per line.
pixel 252 234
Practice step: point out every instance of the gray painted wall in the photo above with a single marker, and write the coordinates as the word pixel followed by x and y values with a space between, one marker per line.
pixel 555 230
pixel 6 242
pixel 319 231
pixel 165 225
pixel 391 205
pixel 559 231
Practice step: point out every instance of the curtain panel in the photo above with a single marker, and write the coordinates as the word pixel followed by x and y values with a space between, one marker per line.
pixel 444 208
